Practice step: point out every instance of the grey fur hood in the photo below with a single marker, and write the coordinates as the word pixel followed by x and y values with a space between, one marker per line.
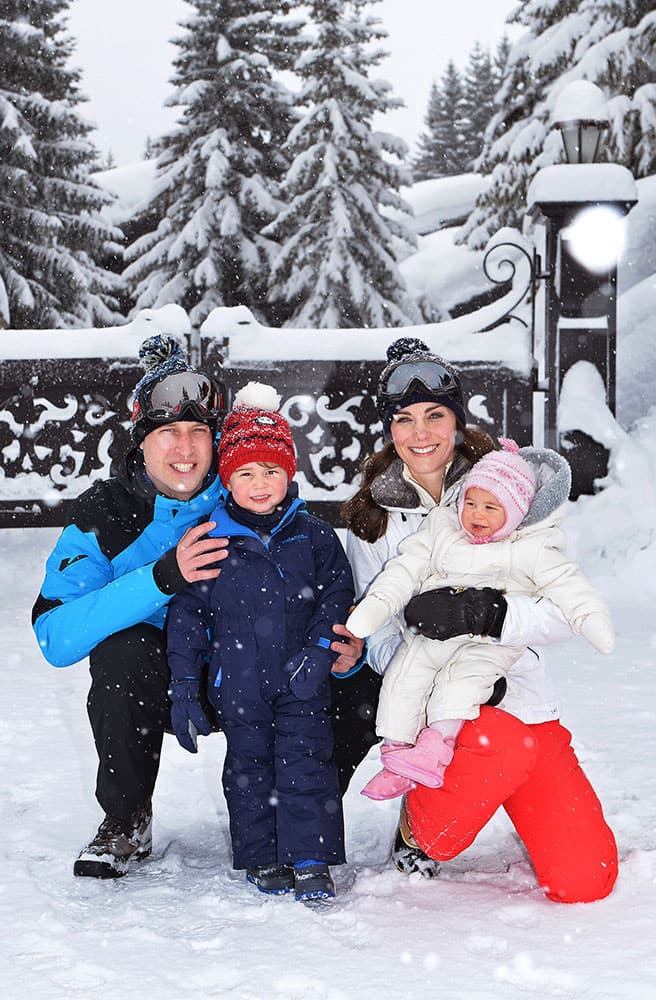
pixel 391 491
pixel 554 481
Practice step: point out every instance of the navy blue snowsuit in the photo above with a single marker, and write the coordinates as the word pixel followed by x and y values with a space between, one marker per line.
pixel 266 625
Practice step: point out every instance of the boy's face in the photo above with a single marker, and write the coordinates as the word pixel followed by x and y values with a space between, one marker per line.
pixel 258 486
pixel 482 514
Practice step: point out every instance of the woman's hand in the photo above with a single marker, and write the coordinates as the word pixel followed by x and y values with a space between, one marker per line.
pixel 350 650
pixel 448 612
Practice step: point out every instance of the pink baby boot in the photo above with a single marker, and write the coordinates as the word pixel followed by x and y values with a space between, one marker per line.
pixel 387 785
pixel 424 763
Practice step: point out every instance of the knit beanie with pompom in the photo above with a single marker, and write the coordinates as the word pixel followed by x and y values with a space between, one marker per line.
pixel 254 431
pixel 509 478
pixel 162 356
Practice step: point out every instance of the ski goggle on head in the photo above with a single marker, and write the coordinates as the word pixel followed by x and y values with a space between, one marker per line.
pixel 181 394
pixel 418 374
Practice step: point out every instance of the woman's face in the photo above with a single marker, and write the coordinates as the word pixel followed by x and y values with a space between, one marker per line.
pixel 424 437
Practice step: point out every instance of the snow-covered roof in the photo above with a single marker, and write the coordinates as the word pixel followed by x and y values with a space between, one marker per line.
pixel 106 342
pixel 569 183
pixel 459 340
pixel 580 100
pixel 440 201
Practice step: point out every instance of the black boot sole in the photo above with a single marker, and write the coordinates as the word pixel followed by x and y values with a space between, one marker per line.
pixel 103 869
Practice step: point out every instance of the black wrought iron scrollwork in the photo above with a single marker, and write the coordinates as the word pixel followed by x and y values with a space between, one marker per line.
pixel 509 265
pixel 61 431
pixel 61 439
pixel 332 437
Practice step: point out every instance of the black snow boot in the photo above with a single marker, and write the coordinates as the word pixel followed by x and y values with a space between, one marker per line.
pixel 408 856
pixel 314 882
pixel 116 844
pixel 274 879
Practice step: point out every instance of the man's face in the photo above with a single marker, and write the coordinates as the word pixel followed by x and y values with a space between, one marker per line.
pixel 177 457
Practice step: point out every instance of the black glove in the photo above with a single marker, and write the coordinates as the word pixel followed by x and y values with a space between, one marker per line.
pixel 445 613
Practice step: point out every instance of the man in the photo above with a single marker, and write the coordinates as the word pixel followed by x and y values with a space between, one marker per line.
pixel 131 543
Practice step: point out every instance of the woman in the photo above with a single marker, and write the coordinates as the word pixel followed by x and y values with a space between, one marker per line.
pixel 517 755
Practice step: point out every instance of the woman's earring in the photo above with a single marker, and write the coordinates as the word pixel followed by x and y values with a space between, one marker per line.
pixel 458 438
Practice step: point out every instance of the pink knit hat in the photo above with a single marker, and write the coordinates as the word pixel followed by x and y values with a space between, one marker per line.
pixel 509 478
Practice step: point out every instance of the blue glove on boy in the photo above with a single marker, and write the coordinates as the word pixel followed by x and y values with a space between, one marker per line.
pixel 309 669
pixel 187 716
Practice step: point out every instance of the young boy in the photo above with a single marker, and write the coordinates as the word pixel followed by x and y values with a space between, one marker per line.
pixel 265 626
pixel 430 687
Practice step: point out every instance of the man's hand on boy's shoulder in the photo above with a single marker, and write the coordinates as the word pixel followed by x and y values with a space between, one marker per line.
pixel 349 649
pixel 196 554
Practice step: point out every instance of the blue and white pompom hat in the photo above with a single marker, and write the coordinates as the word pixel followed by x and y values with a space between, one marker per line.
pixel 171 390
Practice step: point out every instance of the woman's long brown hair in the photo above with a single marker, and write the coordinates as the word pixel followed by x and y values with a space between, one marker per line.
pixel 367 519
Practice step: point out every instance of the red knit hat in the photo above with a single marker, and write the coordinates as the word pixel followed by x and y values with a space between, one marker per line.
pixel 509 478
pixel 254 431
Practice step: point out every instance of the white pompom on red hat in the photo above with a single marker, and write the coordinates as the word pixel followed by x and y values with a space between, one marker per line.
pixel 509 478
pixel 254 431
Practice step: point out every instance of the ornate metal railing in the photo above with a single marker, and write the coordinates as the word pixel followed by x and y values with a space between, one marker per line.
pixel 63 422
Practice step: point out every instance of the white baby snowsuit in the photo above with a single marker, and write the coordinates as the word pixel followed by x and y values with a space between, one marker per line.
pixel 429 680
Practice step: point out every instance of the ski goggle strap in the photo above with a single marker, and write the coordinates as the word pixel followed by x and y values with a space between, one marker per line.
pixel 432 375
pixel 171 396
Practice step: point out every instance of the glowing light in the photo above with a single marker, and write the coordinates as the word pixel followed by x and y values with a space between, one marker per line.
pixel 596 237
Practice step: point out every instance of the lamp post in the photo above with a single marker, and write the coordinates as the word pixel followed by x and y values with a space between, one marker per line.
pixel 580 207
pixel 580 116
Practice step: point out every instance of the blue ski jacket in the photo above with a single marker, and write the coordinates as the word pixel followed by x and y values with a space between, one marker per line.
pixel 114 565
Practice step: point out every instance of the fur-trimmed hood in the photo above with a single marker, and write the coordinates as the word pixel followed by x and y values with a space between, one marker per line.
pixel 554 481
pixel 392 491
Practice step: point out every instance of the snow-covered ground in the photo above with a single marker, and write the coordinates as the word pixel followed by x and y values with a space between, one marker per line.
pixel 185 924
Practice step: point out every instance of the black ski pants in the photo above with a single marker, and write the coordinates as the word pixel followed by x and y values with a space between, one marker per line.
pixel 129 711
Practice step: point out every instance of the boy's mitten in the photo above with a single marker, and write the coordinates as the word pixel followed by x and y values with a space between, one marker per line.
pixel 448 612
pixel 309 670
pixel 187 716
pixel 369 615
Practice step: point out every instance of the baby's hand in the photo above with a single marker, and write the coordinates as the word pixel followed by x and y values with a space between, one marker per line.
pixel 598 630
pixel 369 615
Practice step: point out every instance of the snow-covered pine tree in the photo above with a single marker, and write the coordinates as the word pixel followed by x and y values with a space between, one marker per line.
pixel 215 186
pixel 52 237
pixel 479 85
pixel 514 141
pixel 442 149
pixel 609 42
pixel 429 150
pixel 338 263
pixel 500 61
pixel 617 53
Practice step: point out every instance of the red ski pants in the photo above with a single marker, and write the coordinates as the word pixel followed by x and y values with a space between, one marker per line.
pixel 532 771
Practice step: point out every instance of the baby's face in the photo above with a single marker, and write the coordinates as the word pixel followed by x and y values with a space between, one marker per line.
pixel 482 514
